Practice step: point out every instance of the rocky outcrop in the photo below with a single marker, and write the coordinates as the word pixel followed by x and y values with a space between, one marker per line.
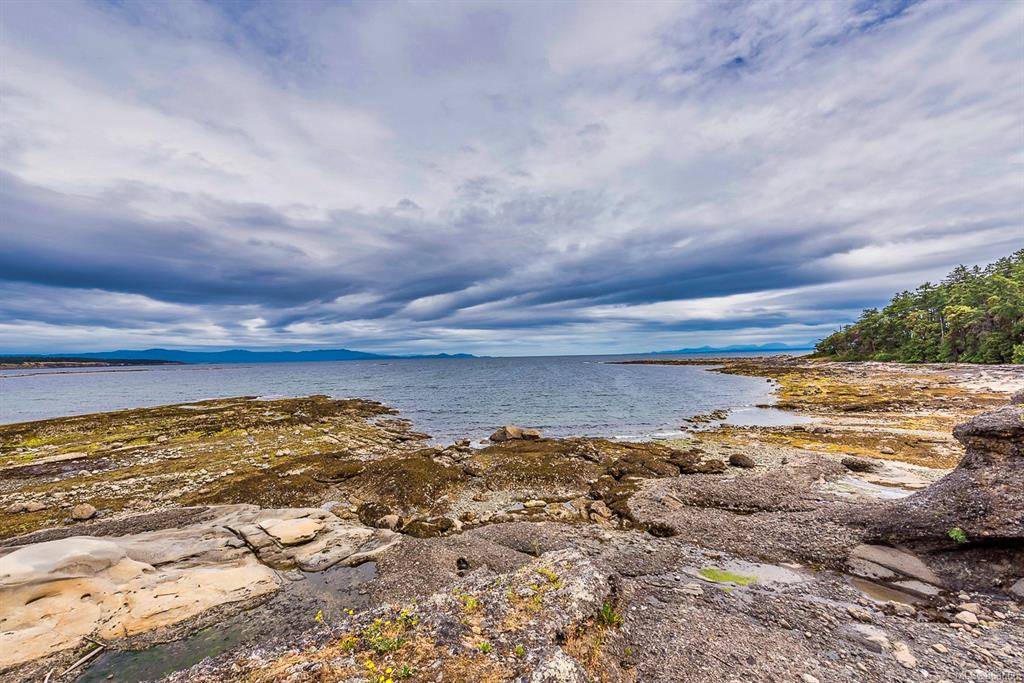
pixel 514 433
pixel 981 500
pixel 55 593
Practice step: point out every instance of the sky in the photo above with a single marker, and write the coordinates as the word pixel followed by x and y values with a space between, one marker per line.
pixel 512 178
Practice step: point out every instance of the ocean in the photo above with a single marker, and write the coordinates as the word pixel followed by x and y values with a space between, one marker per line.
pixel 448 398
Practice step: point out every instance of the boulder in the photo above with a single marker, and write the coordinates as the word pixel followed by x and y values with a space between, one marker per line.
pixel 981 500
pixel 858 464
pixel 514 433
pixel 711 466
pixel 82 512
pixel 741 460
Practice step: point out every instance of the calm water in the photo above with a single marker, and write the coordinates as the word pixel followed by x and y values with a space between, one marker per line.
pixel 447 398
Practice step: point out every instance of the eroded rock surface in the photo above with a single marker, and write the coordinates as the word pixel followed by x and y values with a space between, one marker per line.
pixel 55 593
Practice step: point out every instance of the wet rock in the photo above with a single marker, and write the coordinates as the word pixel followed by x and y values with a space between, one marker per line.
pixel 858 464
pixel 686 461
pixel 514 433
pixel 82 512
pixel 741 460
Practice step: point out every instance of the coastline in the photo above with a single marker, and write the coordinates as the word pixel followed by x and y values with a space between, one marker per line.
pixel 576 507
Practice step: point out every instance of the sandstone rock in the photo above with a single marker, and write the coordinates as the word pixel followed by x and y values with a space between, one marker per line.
pixel 940 648
pixel 82 512
pixel 972 607
pixel 901 652
pixel 514 433
pixel 292 531
pixel 389 522
pixel 534 504
pixel 741 460
pixel 965 617
pixel 983 497
pixel 887 450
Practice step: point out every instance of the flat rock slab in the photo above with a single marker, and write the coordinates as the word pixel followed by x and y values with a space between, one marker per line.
pixel 292 531
pixel 55 593
pixel 864 559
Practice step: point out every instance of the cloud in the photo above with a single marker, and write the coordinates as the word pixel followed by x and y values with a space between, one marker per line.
pixel 495 177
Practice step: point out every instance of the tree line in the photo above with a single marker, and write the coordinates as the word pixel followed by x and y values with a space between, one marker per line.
pixel 975 315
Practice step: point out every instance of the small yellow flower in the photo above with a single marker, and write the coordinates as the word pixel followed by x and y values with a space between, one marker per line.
pixel 388 670
pixel 370 665
pixel 319 615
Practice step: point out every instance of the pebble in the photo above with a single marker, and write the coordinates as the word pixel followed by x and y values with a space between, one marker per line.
pixel 808 678
pixel 966 617
pixel 940 648
pixel 901 652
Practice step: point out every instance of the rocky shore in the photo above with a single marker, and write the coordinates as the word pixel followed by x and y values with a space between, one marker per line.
pixel 317 539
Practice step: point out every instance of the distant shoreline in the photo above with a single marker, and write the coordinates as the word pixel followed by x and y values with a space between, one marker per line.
pixel 27 362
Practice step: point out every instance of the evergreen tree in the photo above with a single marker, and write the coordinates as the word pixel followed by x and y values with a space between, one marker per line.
pixel 975 315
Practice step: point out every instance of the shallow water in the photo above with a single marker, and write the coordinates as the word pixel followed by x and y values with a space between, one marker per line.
pixel 331 591
pixel 447 398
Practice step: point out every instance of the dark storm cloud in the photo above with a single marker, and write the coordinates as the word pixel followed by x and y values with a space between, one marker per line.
pixel 494 177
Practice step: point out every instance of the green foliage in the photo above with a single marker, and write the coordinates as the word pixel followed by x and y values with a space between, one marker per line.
pixel 485 647
pixel 609 616
pixel 975 315
pixel 957 534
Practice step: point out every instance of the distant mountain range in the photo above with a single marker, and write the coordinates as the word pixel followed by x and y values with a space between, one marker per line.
pixel 774 346
pixel 239 356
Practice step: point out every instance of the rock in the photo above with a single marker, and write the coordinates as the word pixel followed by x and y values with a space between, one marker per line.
pixel 113 587
pixel 741 460
pixel 686 461
pixel 429 527
pixel 1018 398
pixel 514 433
pixel 1018 588
pixel 901 652
pixel 292 531
pixel 29 506
pixel 869 637
pixel 859 613
pixel 887 450
pixel 808 678
pixel 858 464
pixel 940 648
pixel 555 666
pixel 534 504
pixel 600 511
pixel 965 617
pixel 391 521
pixel 983 498
pixel 883 562
pixel 369 513
pixel 82 512
pixel 711 466
pixel 972 607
